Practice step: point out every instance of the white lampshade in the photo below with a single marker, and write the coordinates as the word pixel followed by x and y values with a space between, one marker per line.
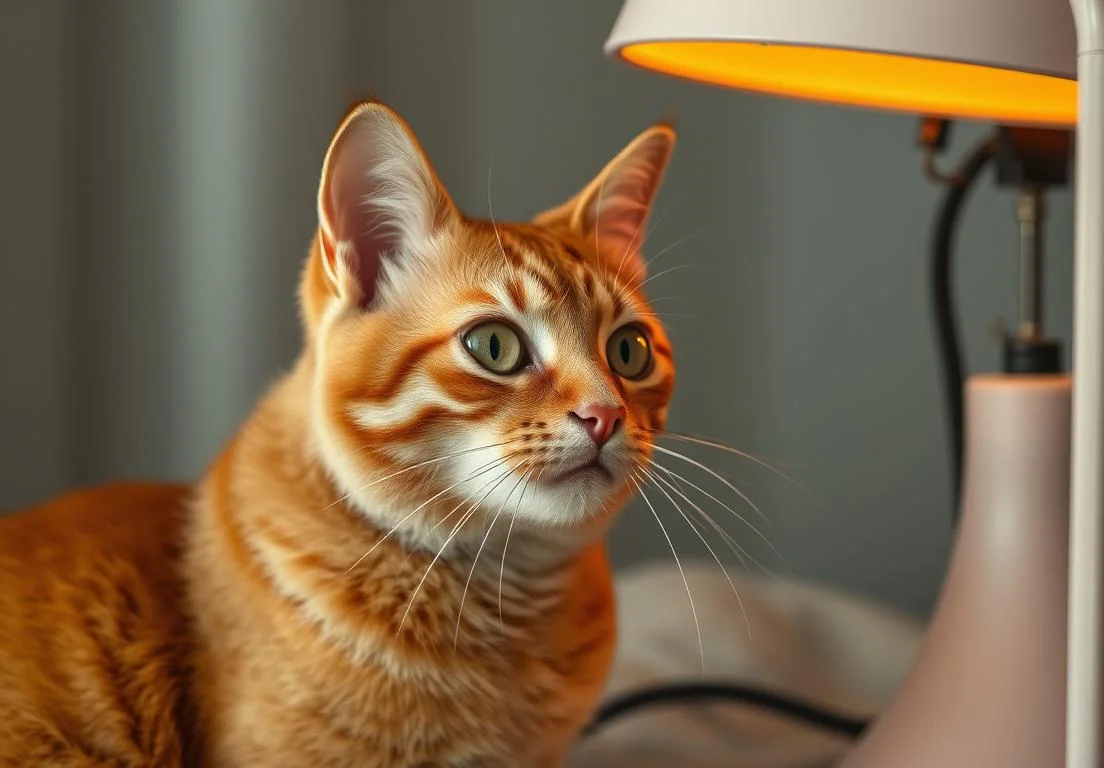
pixel 1010 61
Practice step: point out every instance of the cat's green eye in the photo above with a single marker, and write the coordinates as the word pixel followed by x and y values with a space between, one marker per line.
pixel 497 347
pixel 629 353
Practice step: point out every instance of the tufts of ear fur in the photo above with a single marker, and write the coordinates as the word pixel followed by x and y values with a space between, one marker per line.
pixel 613 209
pixel 379 200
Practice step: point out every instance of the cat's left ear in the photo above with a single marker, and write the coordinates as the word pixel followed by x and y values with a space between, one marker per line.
pixel 613 209
pixel 379 200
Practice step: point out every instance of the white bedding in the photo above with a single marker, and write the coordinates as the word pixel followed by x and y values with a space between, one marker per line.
pixel 838 652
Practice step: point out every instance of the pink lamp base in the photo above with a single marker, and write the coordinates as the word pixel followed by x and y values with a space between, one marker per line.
pixel 989 685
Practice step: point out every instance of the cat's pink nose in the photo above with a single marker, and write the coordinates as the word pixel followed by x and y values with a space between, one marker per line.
pixel 600 421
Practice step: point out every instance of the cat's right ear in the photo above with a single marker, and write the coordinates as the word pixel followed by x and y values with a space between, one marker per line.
pixel 612 210
pixel 379 199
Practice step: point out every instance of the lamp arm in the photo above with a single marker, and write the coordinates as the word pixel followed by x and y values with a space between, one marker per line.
pixel 1086 576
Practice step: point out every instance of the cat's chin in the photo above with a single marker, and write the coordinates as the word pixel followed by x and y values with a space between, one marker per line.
pixel 581 498
pixel 592 472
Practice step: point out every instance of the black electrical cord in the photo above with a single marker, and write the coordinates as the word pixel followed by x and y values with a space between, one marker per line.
pixel 727 692
pixel 950 349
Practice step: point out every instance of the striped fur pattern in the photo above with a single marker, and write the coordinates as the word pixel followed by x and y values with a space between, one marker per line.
pixel 399 558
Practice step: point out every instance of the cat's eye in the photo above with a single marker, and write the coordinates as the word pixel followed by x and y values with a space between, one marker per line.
pixel 497 347
pixel 629 353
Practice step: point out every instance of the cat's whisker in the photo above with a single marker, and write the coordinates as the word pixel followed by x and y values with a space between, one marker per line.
pixel 683 479
pixel 506 544
pixel 654 222
pixel 734 546
pixel 624 291
pixel 738 516
pixel 563 297
pixel 469 497
pixel 448 516
pixel 598 226
pixel 478 552
pixel 666 315
pixel 480 471
pixel 657 480
pixel 686 437
pixel 677 243
pixel 628 250
pixel 502 567
pixel 741 554
pixel 629 295
pixel 490 210
pixel 719 477
pixel 667 271
pixel 693 610
pixel 650 230
pixel 420 464
pixel 641 314
pixel 456 529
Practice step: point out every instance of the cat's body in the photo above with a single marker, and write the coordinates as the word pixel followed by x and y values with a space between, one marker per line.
pixel 339 589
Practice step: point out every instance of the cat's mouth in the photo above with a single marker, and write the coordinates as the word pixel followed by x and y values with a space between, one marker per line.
pixel 591 469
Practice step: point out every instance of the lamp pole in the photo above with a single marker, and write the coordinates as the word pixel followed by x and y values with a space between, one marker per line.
pixel 1086 575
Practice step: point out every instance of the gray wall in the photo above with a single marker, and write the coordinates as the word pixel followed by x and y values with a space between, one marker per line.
pixel 159 165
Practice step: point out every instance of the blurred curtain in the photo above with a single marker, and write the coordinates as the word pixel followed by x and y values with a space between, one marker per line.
pixel 169 202
pixel 195 202
pixel 34 182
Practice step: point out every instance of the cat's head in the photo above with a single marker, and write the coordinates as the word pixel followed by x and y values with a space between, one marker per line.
pixel 466 365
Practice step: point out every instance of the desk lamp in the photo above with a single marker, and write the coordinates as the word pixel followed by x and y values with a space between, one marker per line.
pixel 991 686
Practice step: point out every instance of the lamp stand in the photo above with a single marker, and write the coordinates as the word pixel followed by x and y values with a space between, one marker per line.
pixel 1086 573
pixel 989 685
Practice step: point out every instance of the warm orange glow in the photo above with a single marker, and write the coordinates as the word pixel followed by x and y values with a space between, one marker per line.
pixel 923 86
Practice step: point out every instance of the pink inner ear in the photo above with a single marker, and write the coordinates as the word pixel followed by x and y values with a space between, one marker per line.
pixel 360 228
pixel 619 222
pixel 363 237
pixel 623 212
pixel 619 212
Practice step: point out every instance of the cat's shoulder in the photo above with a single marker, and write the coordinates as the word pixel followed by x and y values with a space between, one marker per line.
pixel 114 508
pixel 94 532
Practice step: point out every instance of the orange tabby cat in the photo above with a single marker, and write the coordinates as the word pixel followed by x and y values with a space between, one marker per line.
pixel 399 559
